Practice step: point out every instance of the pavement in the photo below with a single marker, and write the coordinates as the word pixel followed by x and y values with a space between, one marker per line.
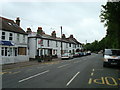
pixel 26 63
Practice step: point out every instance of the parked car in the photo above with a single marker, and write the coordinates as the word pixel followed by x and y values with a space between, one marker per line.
pixel 84 53
pixel 80 54
pixel 67 56
pixel 88 52
pixel 111 57
pixel 76 54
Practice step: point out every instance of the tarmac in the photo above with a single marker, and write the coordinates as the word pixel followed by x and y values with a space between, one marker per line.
pixel 26 63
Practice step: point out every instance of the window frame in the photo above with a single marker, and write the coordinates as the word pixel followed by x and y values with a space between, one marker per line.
pixel 3 35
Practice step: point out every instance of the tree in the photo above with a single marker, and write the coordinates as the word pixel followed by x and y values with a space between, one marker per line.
pixel 110 16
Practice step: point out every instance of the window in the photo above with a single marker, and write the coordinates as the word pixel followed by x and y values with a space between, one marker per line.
pixel 6 51
pixel 15 51
pixel 3 51
pixel 10 36
pixel 22 51
pixel 48 43
pixel 53 51
pixel 3 35
pixel 69 44
pixel 78 45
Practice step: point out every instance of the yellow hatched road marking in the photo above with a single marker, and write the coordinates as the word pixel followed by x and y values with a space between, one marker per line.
pixel 114 81
pixel 4 72
pixel 99 81
pixel 90 81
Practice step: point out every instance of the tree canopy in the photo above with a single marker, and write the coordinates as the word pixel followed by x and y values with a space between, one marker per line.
pixel 110 16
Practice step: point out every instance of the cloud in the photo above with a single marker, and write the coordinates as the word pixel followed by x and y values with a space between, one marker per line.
pixel 78 18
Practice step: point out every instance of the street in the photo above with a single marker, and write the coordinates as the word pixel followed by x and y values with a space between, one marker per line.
pixel 81 72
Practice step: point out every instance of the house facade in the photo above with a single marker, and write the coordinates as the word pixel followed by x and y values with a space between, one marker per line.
pixel 42 44
pixel 13 42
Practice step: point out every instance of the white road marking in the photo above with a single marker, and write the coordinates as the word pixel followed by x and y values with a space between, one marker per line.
pixel 72 78
pixel 92 74
pixel 33 76
pixel 40 67
pixel 93 70
pixel 62 66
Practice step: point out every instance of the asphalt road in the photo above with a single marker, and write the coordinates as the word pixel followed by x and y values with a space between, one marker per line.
pixel 82 72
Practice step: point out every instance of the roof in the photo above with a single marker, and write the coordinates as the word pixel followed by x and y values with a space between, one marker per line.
pixel 49 37
pixel 10 25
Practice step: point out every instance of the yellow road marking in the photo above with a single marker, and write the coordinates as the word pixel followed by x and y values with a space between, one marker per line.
pixel 114 81
pixel 90 81
pixel 98 81
pixel 16 72
pixel 4 72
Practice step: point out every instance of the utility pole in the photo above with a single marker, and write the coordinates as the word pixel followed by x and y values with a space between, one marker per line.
pixel 61 41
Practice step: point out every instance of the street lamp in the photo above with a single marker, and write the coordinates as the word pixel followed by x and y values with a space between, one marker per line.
pixel 61 41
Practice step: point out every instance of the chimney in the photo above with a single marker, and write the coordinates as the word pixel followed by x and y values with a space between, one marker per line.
pixel 40 31
pixel 63 36
pixel 53 34
pixel 71 36
pixel 29 30
pixel 18 21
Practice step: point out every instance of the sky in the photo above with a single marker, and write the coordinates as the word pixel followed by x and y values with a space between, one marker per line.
pixel 80 18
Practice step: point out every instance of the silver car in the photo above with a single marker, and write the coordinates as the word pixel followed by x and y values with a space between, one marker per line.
pixel 67 56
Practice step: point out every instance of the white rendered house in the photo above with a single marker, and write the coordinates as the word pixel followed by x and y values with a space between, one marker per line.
pixel 13 42
pixel 42 44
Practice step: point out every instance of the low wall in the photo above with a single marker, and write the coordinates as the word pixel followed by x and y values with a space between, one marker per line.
pixel 13 59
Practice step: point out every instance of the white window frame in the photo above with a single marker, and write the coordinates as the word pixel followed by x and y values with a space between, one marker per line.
pixel 11 36
pixel 3 36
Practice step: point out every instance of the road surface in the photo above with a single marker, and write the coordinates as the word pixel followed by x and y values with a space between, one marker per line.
pixel 82 72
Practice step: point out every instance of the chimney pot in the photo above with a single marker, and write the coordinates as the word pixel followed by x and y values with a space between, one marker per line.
pixel 28 30
pixel 71 36
pixel 53 34
pixel 18 21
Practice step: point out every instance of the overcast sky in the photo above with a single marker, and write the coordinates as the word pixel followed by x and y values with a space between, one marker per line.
pixel 78 18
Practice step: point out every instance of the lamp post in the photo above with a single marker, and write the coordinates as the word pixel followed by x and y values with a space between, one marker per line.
pixel 61 41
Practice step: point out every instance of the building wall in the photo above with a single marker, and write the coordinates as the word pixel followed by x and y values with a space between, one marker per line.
pixel 21 43
pixel 32 47
pixel 35 47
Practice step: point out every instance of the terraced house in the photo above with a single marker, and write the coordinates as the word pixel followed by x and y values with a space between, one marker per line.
pixel 13 42
pixel 44 44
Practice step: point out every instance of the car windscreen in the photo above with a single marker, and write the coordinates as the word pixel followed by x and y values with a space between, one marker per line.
pixel 66 54
pixel 112 52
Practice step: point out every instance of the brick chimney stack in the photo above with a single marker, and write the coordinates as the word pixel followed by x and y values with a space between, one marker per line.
pixel 29 30
pixel 71 36
pixel 63 36
pixel 40 31
pixel 18 21
pixel 53 34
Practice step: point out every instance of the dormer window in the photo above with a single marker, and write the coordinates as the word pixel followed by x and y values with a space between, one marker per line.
pixel 9 23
